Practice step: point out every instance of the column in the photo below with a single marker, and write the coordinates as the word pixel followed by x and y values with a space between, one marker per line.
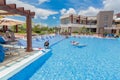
pixel 117 31
pixel 70 30
pixel 29 33
pixel 16 28
pixel 71 17
pixel 79 19
pixel 86 20
pixel 2 2
pixel 4 28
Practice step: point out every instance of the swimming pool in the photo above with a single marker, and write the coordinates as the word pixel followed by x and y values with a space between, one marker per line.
pixel 99 60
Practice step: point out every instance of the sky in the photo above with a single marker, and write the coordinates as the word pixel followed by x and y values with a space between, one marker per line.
pixel 48 12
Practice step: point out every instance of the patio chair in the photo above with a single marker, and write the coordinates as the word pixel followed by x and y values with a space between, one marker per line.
pixel 5 40
pixel 9 50
pixel 5 51
pixel 9 47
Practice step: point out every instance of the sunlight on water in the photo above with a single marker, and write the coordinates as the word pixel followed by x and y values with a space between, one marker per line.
pixel 99 60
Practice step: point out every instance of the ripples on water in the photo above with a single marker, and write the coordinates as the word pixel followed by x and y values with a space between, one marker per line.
pixel 99 60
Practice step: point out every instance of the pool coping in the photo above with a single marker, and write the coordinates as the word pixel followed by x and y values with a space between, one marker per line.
pixel 19 65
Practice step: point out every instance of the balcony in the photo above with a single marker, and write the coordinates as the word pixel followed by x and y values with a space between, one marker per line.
pixel 113 27
pixel 78 25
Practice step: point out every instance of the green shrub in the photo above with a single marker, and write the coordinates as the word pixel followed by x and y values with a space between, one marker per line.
pixel 75 32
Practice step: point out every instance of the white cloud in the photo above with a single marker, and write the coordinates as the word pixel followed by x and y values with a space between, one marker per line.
pixel 42 1
pixel 91 11
pixel 112 5
pixel 107 5
pixel 43 14
pixel 69 11
pixel 63 11
pixel 39 12
pixel 54 17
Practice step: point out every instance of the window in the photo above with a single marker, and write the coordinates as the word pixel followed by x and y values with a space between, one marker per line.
pixel 105 25
pixel 106 18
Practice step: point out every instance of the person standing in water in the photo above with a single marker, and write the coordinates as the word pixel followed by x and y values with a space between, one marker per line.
pixel 46 44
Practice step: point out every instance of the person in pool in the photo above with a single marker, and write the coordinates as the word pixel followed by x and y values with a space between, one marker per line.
pixel 74 43
pixel 46 44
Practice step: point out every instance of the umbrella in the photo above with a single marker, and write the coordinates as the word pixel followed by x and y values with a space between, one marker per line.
pixel 10 22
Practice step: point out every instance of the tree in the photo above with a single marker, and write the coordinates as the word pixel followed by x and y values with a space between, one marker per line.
pixel 84 30
pixel 43 30
pixel 36 29
pixel 22 28
pixel 51 30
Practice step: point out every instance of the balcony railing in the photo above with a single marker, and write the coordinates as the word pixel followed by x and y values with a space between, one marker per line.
pixel 113 27
pixel 78 25
pixel 87 26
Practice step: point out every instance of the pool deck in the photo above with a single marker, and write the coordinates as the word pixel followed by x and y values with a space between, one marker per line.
pixel 14 63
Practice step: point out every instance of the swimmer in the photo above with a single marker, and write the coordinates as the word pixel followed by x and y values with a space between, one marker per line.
pixel 46 44
pixel 74 43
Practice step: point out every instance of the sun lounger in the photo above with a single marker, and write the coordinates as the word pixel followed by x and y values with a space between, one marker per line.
pixel 4 51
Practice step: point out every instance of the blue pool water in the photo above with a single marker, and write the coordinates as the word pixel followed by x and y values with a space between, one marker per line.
pixel 99 60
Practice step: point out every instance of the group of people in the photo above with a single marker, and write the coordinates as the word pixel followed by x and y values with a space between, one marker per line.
pixel 8 35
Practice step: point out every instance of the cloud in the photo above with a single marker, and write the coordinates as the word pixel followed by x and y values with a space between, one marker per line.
pixel 43 1
pixel 39 12
pixel 91 11
pixel 111 5
pixel 43 14
pixel 54 17
pixel 107 5
pixel 63 11
pixel 69 11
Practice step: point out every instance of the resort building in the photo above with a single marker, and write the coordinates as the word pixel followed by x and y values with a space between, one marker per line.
pixel 72 22
pixel 104 22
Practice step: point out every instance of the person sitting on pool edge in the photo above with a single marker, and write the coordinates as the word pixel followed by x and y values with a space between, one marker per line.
pixel 46 44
